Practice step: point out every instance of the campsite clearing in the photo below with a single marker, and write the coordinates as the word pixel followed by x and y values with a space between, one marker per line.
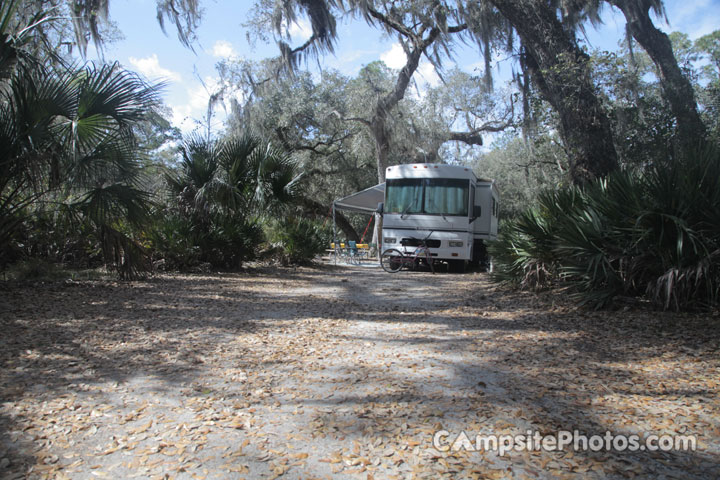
pixel 341 372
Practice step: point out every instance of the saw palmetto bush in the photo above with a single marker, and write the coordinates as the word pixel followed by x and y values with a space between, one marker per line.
pixel 68 149
pixel 69 152
pixel 525 256
pixel 681 231
pixel 654 232
pixel 219 196
pixel 173 240
pixel 299 240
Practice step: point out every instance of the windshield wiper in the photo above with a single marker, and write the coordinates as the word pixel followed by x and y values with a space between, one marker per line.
pixel 402 215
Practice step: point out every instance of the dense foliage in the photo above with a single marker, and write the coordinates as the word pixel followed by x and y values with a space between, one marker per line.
pixel 218 197
pixel 652 231
pixel 93 174
pixel 80 167
pixel 649 230
pixel 70 162
pixel 299 240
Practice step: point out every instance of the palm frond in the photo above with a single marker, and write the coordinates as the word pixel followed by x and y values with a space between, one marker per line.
pixel 654 232
pixel 110 203
pixel 124 254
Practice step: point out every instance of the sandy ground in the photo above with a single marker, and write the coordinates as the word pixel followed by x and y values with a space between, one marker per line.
pixel 343 372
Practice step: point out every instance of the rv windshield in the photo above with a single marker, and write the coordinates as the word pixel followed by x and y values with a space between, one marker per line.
pixel 430 196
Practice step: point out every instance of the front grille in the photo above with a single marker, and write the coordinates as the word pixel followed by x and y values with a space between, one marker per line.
pixel 415 242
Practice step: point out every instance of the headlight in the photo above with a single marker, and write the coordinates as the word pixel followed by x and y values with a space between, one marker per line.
pixel 390 239
pixel 455 243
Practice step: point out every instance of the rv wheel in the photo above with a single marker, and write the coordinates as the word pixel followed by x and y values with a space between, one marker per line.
pixel 457 266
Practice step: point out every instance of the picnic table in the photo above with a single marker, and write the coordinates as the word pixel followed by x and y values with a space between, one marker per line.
pixel 361 251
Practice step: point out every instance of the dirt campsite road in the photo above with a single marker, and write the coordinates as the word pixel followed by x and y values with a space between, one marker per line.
pixel 341 373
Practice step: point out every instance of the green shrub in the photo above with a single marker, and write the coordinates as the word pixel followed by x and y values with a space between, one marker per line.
pixel 231 242
pixel 34 269
pixel 65 237
pixel 178 243
pixel 654 232
pixel 300 240
pixel 173 243
pixel 524 256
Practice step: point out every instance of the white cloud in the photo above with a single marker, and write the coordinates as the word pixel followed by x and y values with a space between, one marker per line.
pixel 300 30
pixel 395 57
pixel 425 78
pixel 427 74
pixel 150 67
pixel 223 49
pixel 187 115
pixel 195 106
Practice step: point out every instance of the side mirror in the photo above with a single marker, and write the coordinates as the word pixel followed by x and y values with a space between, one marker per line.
pixel 380 208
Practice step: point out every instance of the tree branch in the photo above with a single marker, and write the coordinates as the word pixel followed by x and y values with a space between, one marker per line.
pixel 395 25
pixel 327 143
pixel 351 119
pixel 470 138
pixel 317 209
pixel 473 137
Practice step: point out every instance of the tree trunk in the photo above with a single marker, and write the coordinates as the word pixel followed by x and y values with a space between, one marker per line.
pixel 378 127
pixel 676 87
pixel 378 123
pixel 562 73
pixel 418 43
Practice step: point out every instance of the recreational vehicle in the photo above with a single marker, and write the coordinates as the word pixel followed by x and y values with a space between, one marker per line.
pixel 447 205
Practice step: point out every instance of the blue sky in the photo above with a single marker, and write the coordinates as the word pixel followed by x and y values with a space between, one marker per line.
pixel 158 56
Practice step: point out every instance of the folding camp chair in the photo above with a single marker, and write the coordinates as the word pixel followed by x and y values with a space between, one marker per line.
pixel 351 253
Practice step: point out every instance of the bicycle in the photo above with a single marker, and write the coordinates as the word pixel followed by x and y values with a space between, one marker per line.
pixel 392 259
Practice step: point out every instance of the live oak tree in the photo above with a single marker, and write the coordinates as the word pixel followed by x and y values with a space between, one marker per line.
pixel 423 29
pixel 558 67
pixel 301 115
pixel 522 168
pixel 551 56
pixel 322 120
pixel 676 87
pixel 561 71
pixel 417 30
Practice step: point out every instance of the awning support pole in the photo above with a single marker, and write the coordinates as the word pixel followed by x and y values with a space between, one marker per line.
pixel 335 241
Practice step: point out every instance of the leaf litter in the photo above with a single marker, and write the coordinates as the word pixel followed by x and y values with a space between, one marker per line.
pixel 348 373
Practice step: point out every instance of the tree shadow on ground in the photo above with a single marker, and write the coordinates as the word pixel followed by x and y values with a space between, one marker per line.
pixel 595 375
pixel 562 368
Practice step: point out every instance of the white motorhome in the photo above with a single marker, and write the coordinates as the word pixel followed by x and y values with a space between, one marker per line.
pixel 450 201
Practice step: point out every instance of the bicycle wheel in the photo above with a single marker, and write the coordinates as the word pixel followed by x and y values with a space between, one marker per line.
pixel 391 260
